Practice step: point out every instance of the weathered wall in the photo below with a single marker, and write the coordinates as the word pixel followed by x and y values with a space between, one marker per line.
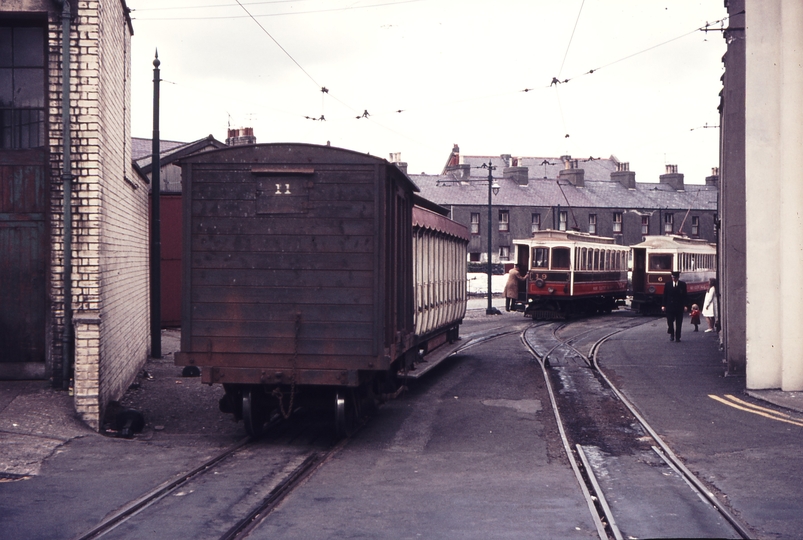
pixel 110 229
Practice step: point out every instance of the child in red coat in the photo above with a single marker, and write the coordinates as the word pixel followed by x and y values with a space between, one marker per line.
pixel 695 316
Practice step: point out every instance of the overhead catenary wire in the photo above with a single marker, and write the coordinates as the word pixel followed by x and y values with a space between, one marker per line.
pixel 214 17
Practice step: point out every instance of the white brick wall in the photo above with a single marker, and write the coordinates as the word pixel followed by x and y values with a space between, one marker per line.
pixel 110 227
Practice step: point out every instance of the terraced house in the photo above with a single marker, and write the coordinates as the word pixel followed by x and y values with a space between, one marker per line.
pixel 595 195
pixel 73 212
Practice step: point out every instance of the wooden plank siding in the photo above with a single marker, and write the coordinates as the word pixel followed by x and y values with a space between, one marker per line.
pixel 288 254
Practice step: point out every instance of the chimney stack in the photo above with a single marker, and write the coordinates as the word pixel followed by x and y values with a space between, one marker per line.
pixel 624 175
pixel 673 178
pixel 520 175
pixel 395 158
pixel 713 180
pixel 571 172
pixel 241 136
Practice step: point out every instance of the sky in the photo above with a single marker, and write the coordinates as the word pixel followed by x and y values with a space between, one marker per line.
pixel 635 79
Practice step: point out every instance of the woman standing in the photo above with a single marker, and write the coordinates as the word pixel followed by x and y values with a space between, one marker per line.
pixel 710 304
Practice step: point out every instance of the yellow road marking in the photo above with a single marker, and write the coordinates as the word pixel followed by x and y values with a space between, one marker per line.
pixel 756 410
pixel 759 408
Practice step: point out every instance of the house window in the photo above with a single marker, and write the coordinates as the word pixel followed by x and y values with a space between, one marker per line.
pixel 563 218
pixel 669 223
pixel 504 253
pixel 22 85
pixel 592 224
pixel 474 257
pixel 504 221
pixel 645 225
pixel 536 223
pixel 617 222
pixel 695 225
pixel 475 223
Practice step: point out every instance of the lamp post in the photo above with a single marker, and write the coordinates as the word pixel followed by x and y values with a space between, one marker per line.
pixel 493 189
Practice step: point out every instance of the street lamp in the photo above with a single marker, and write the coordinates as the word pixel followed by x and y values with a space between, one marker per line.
pixel 493 189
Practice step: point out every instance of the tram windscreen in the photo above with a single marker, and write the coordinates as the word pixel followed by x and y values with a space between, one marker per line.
pixel 660 262
pixel 560 258
pixel 540 257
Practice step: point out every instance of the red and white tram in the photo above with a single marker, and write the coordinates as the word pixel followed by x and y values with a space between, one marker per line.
pixel 572 273
pixel 657 257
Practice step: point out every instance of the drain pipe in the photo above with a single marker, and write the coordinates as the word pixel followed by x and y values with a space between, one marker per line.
pixel 66 178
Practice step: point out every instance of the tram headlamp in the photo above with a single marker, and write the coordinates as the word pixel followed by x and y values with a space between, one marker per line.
pixel 539 283
pixel 651 290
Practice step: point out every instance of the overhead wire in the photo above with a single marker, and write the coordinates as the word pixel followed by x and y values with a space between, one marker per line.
pixel 221 17
pixel 366 115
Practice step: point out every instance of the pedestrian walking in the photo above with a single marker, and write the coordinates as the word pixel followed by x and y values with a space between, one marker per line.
pixel 514 277
pixel 710 306
pixel 674 305
pixel 695 316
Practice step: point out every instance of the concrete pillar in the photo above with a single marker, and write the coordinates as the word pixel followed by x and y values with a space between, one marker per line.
pixel 791 161
pixel 774 194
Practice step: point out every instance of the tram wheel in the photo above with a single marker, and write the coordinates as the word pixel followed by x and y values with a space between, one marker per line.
pixel 345 413
pixel 254 411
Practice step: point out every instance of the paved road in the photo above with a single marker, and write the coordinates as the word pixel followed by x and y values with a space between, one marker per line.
pixel 751 456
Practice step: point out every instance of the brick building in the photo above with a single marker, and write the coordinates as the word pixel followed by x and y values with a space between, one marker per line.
pixel 99 337
pixel 595 195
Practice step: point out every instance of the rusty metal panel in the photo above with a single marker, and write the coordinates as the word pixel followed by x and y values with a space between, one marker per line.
pixel 170 210
pixel 23 264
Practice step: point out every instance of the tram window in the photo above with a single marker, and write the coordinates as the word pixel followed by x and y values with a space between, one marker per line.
pixel 596 259
pixel 561 258
pixel 660 262
pixel 540 257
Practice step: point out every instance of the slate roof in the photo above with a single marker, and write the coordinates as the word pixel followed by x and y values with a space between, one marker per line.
pixel 171 150
pixel 143 147
pixel 540 167
pixel 445 190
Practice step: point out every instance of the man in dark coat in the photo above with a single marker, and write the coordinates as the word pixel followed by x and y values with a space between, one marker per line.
pixel 674 305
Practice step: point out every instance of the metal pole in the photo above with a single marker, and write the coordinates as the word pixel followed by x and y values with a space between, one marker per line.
pixel 66 178
pixel 490 310
pixel 156 234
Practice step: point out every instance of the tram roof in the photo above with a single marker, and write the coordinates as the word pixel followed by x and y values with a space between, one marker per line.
pixel 675 242
pixel 547 235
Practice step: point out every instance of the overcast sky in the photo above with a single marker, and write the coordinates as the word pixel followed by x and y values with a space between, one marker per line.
pixel 637 79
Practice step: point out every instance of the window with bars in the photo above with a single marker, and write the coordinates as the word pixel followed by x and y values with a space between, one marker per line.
pixel 504 220
pixel 475 223
pixel 669 223
pixel 563 219
pixel 536 223
pixel 645 225
pixel 22 85
pixel 592 224
pixel 695 225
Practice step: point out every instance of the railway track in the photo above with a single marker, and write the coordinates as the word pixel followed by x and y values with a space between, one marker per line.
pixel 634 485
pixel 229 494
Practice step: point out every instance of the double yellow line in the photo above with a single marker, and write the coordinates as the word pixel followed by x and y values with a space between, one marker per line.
pixel 736 403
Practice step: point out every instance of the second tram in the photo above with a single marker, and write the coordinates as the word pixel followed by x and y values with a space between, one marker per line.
pixel 657 257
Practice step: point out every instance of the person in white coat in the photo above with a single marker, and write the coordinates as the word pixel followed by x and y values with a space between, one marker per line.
pixel 710 305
